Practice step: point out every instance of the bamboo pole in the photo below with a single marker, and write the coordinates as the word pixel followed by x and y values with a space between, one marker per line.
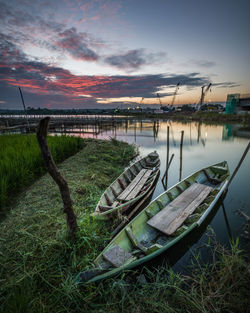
pixel 181 146
pixel 167 159
pixel 169 163
pixel 238 166
pixel 24 107
pixel 227 223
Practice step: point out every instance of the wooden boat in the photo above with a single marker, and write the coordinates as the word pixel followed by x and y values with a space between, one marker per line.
pixel 165 221
pixel 130 187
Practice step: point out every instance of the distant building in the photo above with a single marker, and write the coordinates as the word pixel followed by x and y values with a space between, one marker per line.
pixel 244 103
pixel 238 104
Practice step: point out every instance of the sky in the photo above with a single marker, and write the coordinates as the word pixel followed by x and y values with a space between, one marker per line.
pixel 112 53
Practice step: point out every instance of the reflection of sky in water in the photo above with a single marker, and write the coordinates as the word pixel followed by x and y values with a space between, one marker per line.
pixel 203 145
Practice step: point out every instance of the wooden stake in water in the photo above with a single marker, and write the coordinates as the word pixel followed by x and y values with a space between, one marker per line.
pixel 227 223
pixel 167 160
pixel 181 145
pixel 198 131
pixel 169 163
pixel 238 166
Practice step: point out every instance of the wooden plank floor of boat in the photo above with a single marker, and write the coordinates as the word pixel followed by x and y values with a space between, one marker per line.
pixel 170 218
pixel 135 186
pixel 117 256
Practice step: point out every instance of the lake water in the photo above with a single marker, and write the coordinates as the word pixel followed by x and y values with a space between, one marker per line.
pixel 203 145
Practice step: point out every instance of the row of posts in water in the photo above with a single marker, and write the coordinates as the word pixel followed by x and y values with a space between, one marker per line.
pixel 95 127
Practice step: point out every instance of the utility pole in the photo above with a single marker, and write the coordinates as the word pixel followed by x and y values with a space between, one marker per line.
pixel 25 111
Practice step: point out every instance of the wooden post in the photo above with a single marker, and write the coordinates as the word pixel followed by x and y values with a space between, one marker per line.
pixel 169 163
pixel 181 145
pixel 190 135
pixel 172 133
pixel 154 131
pixel 226 220
pixel 55 174
pixel 238 166
pixel 25 111
pixel 199 131
pixel 167 160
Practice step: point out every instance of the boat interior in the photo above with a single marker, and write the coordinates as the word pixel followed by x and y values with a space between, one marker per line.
pixel 165 219
pixel 132 183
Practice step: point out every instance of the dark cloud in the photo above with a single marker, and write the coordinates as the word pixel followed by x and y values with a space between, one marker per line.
pixel 11 99
pixel 226 85
pixel 20 18
pixel 52 86
pixel 133 59
pixel 24 27
pixel 76 44
pixel 8 50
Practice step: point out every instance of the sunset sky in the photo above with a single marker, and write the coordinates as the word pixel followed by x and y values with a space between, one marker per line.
pixel 111 53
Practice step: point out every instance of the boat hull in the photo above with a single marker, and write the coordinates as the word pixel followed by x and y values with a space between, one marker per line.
pixel 129 243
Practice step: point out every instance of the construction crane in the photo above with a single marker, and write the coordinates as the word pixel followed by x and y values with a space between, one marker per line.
pixel 175 93
pixel 204 90
pixel 159 100
pixel 141 103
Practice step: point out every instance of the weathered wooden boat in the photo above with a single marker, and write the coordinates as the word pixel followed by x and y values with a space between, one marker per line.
pixel 165 221
pixel 130 187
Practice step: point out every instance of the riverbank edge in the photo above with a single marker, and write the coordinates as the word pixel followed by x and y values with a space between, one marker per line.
pixel 199 116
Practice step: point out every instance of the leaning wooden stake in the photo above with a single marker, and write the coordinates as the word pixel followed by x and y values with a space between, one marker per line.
pixel 169 163
pixel 238 166
pixel 24 107
pixel 167 159
pixel 55 174
pixel 181 145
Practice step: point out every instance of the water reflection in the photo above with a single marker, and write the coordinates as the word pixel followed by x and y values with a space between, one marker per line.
pixel 203 145
pixel 231 131
pixel 227 222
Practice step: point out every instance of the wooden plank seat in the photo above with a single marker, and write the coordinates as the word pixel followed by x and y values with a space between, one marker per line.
pixel 117 256
pixel 170 218
pixel 135 186
pixel 104 208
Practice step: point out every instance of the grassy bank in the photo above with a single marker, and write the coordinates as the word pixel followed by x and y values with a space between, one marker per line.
pixel 21 160
pixel 39 262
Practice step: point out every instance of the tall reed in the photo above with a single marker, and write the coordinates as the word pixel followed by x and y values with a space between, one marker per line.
pixel 21 160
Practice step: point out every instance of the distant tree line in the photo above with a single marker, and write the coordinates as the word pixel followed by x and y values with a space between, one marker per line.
pixel 46 111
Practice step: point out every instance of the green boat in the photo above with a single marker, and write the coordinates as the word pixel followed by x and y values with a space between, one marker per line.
pixel 130 188
pixel 165 221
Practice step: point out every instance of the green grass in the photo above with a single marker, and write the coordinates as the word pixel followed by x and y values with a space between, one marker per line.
pixel 21 160
pixel 218 287
pixel 39 262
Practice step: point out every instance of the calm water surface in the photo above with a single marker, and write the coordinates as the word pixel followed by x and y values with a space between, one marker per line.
pixel 203 145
